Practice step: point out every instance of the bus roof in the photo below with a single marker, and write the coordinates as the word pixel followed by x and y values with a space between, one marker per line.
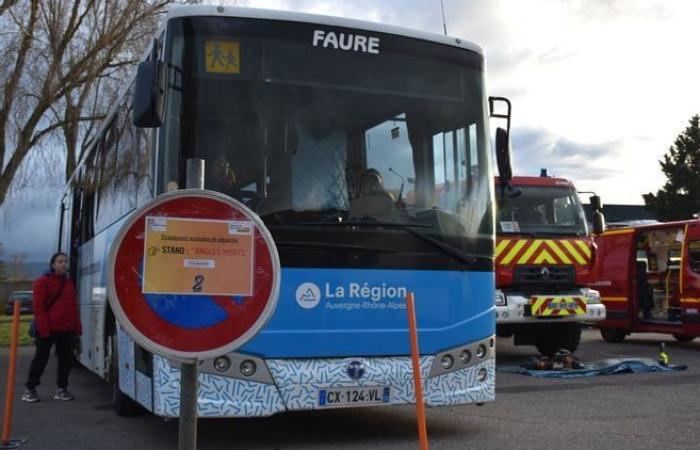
pixel 254 13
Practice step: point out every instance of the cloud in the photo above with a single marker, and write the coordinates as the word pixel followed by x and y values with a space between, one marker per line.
pixel 538 148
pixel 566 148
pixel 29 224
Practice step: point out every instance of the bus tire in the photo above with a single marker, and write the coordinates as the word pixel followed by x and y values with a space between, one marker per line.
pixel 683 337
pixel 558 336
pixel 122 404
pixel 614 335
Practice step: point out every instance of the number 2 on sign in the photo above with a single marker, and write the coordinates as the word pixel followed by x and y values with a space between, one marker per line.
pixel 197 286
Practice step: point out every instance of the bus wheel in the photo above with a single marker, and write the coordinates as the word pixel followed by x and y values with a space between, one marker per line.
pixel 121 403
pixel 683 337
pixel 613 334
pixel 558 336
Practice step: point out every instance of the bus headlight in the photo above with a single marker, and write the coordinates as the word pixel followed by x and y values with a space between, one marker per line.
pixel 248 367
pixel 592 296
pixel 447 362
pixel 500 298
pixel 222 363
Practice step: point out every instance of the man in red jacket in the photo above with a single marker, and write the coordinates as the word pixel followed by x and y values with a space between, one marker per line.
pixel 57 322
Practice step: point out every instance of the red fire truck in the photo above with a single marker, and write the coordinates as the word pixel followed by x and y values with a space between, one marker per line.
pixel 544 254
pixel 649 280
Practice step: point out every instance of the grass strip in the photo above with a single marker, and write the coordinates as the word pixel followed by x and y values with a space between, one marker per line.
pixel 6 329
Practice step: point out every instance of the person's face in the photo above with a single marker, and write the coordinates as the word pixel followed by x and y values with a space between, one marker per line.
pixel 60 265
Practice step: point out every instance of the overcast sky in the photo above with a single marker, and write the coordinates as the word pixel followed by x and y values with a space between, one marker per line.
pixel 600 88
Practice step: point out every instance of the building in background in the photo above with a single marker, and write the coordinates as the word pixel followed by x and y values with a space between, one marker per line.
pixel 622 215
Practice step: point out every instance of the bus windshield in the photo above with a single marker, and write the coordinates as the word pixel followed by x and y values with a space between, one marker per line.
pixel 340 143
pixel 542 210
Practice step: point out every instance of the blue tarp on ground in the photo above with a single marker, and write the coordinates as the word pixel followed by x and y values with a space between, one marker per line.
pixel 610 366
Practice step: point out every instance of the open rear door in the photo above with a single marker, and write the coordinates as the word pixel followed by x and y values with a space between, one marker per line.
pixel 690 280
pixel 613 278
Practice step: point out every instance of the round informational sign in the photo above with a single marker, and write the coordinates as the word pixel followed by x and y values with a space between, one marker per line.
pixel 192 275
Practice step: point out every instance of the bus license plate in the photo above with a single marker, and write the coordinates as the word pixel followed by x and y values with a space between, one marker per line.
pixel 373 395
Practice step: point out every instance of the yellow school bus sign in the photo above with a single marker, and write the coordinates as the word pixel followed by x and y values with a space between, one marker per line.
pixel 198 257
pixel 222 57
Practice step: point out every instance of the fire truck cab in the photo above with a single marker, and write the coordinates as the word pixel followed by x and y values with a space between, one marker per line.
pixel 544 254
pixel 649 280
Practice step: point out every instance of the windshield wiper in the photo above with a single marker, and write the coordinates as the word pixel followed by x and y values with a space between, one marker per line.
pixel 518 233
pixel 306 244
pixel 451 250
pixel 445 247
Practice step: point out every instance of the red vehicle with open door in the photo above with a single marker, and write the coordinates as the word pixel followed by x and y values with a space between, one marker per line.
pixel 649 280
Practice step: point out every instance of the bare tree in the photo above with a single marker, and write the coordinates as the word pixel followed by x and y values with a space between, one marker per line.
pixel 2 264
pixel 15 268
pixel 53 57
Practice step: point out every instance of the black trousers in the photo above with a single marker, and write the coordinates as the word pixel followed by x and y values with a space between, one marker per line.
pixel 64 353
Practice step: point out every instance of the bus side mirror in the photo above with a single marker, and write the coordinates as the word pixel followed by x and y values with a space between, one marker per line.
pixel 148 95
pixel 505 170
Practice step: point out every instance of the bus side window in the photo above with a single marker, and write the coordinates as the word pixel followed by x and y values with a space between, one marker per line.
pixel 125 173
pixel 105 188
pixel 144 153
pixel 87 204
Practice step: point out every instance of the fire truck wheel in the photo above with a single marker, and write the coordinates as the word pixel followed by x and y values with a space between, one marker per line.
pixel 613 334
pixel 558 336
pixel 683 337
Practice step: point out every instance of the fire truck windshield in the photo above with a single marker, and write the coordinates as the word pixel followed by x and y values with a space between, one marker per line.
pixel 542 210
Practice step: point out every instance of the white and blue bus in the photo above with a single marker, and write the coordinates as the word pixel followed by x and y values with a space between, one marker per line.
pixel 365 150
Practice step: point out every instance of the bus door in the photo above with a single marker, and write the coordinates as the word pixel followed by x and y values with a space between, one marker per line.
pixel 690 280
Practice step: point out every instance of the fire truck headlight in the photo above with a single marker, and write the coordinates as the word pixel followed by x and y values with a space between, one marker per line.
pixel 500 298
pixel 592 296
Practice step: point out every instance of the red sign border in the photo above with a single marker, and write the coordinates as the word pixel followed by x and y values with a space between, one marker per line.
pixel 175 354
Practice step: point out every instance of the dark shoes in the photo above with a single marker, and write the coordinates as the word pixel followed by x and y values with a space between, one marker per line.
pixel 30 396
pixel 63 394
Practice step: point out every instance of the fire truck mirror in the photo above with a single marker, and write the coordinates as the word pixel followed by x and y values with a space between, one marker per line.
pixel 505 170
pixel 598 222
pixel 596 204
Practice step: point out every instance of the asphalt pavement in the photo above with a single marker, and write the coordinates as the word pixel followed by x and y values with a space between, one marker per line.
pixel 628 411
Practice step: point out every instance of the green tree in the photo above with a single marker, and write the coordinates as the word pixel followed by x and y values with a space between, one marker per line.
pixel 680 196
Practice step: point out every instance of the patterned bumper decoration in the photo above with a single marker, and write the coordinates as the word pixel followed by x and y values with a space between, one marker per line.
pixel 559 305
pixel 511 252
pixel 299 380
pixel 218 396
pixel 462 386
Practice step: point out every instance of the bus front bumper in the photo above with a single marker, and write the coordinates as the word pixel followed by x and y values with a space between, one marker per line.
pixel 313 384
